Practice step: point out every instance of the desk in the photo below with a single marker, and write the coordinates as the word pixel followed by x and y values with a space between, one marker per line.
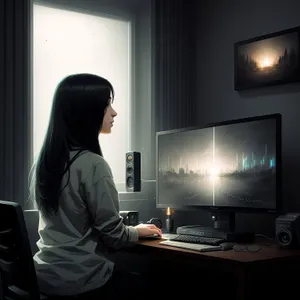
pixel 268 272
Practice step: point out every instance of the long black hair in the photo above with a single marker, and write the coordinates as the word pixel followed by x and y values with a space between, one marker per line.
pixel 79 105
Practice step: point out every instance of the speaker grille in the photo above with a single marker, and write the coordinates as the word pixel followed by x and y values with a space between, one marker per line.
pixel 133 171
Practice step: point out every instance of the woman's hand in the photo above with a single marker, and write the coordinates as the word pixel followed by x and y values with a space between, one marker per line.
pixel 148 229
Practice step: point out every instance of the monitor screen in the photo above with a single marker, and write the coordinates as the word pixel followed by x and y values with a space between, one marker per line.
pixel 234 164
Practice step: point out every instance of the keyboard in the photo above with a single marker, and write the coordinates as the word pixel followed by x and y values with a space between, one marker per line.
pixel 197 239
pixel 191 246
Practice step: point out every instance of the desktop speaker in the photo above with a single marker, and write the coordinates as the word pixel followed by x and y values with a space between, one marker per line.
pixel 133 171
pixel 287 233
pixel 130 218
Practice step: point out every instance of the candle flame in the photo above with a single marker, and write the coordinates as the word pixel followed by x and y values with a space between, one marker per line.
pixel 168 211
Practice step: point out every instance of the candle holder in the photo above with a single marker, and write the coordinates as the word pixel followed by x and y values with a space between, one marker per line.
pixel 169 224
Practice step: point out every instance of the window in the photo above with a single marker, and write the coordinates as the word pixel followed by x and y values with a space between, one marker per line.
pixel 66 42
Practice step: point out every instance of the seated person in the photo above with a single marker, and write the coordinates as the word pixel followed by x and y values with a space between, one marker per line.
pixel 73 186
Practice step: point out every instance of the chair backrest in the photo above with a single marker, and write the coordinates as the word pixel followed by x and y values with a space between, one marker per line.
pixel 17 272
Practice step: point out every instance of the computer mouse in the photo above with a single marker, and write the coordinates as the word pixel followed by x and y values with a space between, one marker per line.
pixel 155 235
pixel 227 246
pixel 152 236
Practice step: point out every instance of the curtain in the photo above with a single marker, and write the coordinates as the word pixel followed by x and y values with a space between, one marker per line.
pixel 175 63
pixel 15 100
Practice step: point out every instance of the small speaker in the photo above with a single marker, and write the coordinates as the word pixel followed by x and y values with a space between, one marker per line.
pixel 287 233
pixel 130 218
pixel 133 171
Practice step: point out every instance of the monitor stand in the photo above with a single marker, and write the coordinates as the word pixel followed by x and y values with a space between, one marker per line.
pixel 223 226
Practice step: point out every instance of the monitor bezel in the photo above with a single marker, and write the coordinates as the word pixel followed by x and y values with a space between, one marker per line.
pixel 278 203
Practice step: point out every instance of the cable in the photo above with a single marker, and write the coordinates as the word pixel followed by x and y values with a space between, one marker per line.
pixel 253 247
pixel 267 237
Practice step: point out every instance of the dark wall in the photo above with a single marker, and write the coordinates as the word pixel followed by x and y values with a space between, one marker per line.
pixel 221 24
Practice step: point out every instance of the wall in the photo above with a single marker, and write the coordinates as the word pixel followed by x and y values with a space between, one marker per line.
pixel 221 24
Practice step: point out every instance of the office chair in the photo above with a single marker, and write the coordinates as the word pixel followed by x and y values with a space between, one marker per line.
pixel 17 272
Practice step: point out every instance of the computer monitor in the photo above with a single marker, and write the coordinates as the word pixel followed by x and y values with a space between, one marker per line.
pixel 227 167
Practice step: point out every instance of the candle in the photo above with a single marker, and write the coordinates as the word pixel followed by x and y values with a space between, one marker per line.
pixel 169 221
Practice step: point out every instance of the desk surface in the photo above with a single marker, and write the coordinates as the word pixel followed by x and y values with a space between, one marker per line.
pixel 266 252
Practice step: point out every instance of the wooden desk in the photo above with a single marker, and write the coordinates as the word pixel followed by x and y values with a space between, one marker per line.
pixel 267 272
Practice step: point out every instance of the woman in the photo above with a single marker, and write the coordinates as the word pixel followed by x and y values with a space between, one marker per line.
pixel 75 193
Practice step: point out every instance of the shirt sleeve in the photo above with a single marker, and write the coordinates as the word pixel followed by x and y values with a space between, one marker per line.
pixel 103 204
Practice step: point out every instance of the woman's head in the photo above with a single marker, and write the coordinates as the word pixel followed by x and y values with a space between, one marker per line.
pixel 79 106
pixel 81 110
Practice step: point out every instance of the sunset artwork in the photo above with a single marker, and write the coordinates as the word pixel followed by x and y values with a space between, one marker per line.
pixel 267 60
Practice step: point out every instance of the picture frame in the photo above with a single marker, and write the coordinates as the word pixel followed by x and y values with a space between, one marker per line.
pixel 267 60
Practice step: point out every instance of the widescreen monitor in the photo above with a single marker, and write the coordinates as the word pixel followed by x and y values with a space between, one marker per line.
pixel 233 165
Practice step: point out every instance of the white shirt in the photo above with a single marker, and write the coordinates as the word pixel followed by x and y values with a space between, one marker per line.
pixel 72 245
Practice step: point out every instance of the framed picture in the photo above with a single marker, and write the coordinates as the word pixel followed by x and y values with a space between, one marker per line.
pixel 267 60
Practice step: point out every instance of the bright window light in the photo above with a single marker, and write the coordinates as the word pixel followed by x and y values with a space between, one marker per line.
pixel 66 42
